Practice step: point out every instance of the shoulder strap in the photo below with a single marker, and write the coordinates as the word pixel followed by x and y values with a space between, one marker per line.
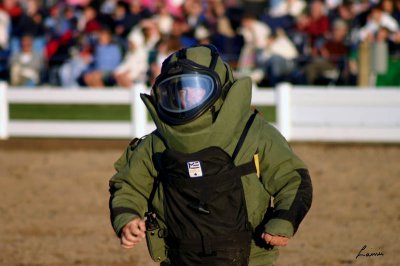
pixel 244 134
pixel 157 179
pixel 158 134
pixel 152 193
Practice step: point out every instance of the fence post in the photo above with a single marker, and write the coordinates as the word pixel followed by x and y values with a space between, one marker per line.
pixel 138 111
pixel 364 62
pixel 283 110
pixel 4 114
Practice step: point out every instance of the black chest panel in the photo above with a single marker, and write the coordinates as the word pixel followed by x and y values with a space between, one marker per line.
pixel 205 207
pixel 207 203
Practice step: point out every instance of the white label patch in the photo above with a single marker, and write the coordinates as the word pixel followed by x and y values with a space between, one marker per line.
pixel 194 169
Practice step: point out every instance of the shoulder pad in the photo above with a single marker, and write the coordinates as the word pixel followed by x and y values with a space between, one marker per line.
pixel 135 142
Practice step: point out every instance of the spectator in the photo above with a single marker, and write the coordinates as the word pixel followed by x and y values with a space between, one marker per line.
pixel 151 32
pixel 60 20
pixel 256 34
pixel 331 56
pixel 107 56
pixel 387 6
pixel 343 11
pixel 385 55
pixel 122 24
pixel 378 18
pixel 314 26
pixel 137 13
pixel 31 22
pixel 61 35
pixel 284 14
pixel 166 46
pixel 194 17
pixel 26 65
pixel 4 38
pixel 88 22
pixel 191 17
pixel 163 19
pixel 14 11
pixel 193 13
pixel 72 69
pixel 179 28
pixel 134 65
pixel 279 58
pixel 214 10
pixel 202 35
pixel 108 7
pixel 4 30
pixel 223 31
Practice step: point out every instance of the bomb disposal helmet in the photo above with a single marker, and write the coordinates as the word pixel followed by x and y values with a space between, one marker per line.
pixel 191 81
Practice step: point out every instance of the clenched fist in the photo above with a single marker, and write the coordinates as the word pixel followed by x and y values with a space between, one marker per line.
pixel 275 240
pixel 132 233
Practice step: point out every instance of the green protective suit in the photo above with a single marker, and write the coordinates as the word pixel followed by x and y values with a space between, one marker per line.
pixel 279 177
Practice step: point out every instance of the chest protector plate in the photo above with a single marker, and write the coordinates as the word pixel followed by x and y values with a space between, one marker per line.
pixel 205 208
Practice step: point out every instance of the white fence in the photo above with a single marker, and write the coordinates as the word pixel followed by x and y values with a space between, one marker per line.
pixel 74 129
pixel 303 114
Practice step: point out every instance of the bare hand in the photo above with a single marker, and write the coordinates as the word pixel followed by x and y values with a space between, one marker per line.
pixel 275 240
pixel 132 233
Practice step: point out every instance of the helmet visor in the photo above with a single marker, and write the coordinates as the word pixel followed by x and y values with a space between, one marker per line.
pixel 185 92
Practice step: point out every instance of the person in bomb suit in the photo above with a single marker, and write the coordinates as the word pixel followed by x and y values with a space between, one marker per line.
pixel 214 184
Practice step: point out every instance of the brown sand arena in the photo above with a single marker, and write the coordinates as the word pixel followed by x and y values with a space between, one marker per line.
pixel 54 205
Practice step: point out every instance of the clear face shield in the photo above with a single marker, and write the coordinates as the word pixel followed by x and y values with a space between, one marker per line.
pixel 185 93
pixel 185 89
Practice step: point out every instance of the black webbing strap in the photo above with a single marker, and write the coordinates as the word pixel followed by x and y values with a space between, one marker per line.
pixel 157 179
pixel 181 54
pixel 161 137
pixel 244 134
pixel 246 168
pixel 214 55
pixel 152 194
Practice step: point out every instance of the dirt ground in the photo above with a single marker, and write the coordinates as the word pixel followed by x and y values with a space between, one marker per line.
pixel 54 205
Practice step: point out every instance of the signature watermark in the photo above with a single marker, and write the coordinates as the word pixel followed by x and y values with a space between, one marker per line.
pixel 363 253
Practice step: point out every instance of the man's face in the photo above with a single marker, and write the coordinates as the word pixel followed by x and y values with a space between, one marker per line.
pixel 190 97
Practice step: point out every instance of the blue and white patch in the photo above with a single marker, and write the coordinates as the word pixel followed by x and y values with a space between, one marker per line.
pixel 194 169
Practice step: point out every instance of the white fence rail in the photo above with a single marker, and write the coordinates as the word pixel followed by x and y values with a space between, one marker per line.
pixel 303 114
pixel 339 115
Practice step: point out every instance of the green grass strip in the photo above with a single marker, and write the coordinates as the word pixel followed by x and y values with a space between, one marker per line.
pixel 70 112
pixel 92 112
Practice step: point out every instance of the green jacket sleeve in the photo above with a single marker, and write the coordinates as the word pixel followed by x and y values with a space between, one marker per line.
pixel 131 186
pixel 286 179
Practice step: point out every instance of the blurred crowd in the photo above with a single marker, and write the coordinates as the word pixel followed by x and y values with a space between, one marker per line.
pixel 108 43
